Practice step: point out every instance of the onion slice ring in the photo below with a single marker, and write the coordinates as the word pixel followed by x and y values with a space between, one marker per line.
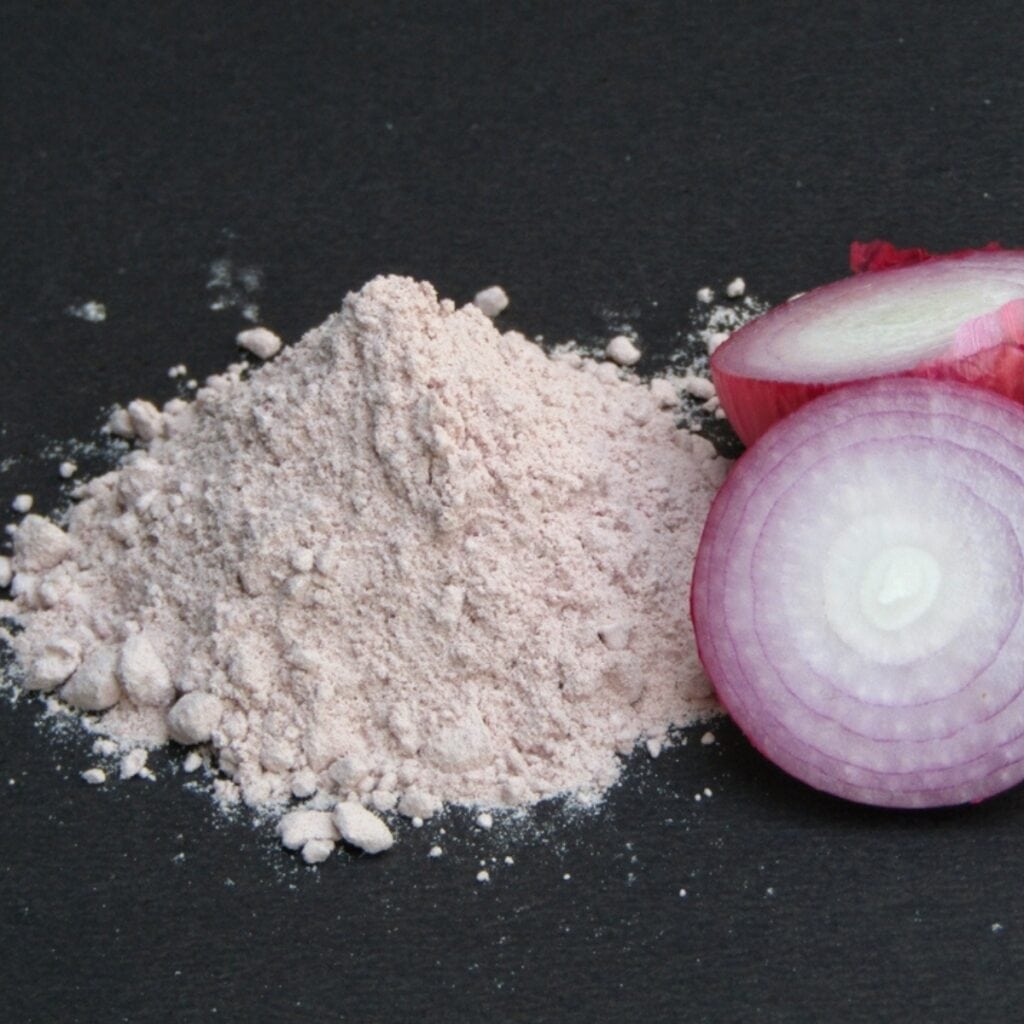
pixel 858 590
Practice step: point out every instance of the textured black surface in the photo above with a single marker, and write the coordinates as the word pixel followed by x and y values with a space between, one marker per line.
pixel 590 157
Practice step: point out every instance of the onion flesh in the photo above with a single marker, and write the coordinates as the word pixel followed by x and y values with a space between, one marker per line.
pixel 958 317
pixel 858 590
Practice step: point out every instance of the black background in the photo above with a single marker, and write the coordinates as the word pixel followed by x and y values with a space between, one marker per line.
pixel 589 157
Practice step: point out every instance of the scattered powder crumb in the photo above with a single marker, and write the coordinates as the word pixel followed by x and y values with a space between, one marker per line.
pixel 622 350
pixel 177 371
pixel 735 288
pixel 682 893
pixel 93 312
pixel 770 891
pixel 435 851
pixel 67 470
pixel 699 387
pixel 707 739
pixel 296 828
pixel 260 342
pixel 119 423
pixel 104 747
pixel 485 820
pixel 483 876
pixel 316 851
pixel 133 763
pixel 707 791
pixel 713 324
pixel 654 747
pixel 697 797
pixel 193 761
pixel 491 301
pixel 234 287
pixel 510 860
pixel 362 828
pixel 22 503
pixel 94 776
pixel 5 571
pixel 996 928
pixel 566 877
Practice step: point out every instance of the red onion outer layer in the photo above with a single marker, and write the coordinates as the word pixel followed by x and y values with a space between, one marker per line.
pixel 956 317
pixel 858 589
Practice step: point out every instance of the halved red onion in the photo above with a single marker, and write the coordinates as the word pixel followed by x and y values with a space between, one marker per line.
pixel 958 317
pixel 858 591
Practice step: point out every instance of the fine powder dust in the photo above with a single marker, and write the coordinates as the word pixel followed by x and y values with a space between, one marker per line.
pixel 410 561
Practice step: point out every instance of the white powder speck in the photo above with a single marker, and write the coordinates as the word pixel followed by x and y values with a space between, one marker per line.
pixel 260 342
pixel 296 828
pixel 233 287
pixel 67 470
pixel 707 791
pixel 485 820
pixel 435 851
pixel 700 387
pixel 996 928
pixel 682 893
pixel 483 876
pixel 705 295
pixel 5 571
pixel 193 761
pixel 94 776
pixel 22 503
pixel 735 288
pixel 491 301
pixel 93 312
pixel 510 860
pixel 362 828
pixel 133 763
pixel 621 350
pixel 707 739
pixel 316 851
pixel 104 747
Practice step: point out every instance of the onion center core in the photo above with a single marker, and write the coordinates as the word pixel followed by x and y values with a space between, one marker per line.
pixel 899 585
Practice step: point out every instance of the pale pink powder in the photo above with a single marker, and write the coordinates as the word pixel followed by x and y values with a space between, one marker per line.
pixel 413 560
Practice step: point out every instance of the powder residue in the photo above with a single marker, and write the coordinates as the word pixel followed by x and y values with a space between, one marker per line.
pixel 411 560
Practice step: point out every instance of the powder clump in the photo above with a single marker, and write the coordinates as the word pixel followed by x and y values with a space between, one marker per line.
pixel 412 560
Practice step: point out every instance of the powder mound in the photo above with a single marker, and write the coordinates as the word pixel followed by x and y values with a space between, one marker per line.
pixel 412 560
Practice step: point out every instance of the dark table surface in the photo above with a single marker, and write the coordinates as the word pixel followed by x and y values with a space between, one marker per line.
pixel 591 158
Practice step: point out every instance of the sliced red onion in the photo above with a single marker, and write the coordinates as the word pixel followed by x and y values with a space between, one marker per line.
pixel 958 317
pixel 858 590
